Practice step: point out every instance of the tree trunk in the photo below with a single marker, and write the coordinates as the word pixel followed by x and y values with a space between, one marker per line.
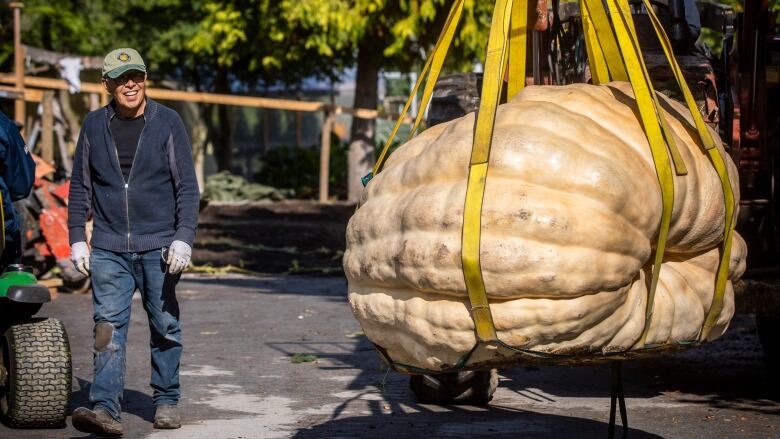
pixel 223 144
pixel 360 158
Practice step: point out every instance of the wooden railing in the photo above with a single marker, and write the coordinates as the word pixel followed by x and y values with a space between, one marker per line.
pixel 33 91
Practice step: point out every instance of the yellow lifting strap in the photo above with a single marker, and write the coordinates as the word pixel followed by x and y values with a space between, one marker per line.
pixel 601 36
pixel 438 60
pixel 433 64
pixel 614 54
pixel 607 63
pixel 598 64
pixel 720 167
pixel 518 36
pixel 679 164
pixel 495 62
pixel 650 117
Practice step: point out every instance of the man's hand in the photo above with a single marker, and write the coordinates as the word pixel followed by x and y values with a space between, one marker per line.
pixel 179 254
pixel 79 254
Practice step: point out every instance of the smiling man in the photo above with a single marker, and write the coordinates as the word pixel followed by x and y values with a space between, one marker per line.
pixel 133 172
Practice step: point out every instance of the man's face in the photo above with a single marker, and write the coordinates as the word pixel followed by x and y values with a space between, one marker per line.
pixel 128 90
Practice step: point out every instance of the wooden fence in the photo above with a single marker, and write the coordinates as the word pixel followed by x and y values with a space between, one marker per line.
pixel 38 89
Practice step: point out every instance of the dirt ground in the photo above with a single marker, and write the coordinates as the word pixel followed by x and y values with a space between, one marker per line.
pixel 287 237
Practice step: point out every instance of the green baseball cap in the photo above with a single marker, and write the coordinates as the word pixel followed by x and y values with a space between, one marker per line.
pixel 122 60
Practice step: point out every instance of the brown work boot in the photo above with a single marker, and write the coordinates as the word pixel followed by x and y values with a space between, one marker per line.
pixel 166 416
pixel 97 422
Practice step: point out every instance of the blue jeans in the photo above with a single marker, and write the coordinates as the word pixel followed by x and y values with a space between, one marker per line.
pixel 115 277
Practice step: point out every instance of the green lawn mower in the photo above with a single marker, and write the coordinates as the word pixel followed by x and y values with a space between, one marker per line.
pixel 35 364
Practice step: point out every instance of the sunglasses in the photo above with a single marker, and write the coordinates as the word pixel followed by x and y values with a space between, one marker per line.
pixel 137 77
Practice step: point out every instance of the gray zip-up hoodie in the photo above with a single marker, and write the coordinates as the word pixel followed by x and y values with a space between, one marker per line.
pixel 159 201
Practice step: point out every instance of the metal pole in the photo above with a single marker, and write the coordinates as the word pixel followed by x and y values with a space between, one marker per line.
pixel 18 61
pixel 536 41
pixel 617 395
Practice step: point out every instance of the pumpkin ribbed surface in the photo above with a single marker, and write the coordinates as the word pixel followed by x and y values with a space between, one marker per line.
pixel 571 213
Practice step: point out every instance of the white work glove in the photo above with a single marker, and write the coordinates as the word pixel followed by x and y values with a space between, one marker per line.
pixel 179 254
pixel 79 254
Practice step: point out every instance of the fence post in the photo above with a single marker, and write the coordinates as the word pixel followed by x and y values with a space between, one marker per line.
pixel 47 130
pixel 94 101
pixel 266 132
pixel 327 128
pixel 19 104
pixel 298 129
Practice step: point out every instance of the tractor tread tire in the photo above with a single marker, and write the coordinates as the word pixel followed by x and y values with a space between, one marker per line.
pixel 465 387
pixel 39 375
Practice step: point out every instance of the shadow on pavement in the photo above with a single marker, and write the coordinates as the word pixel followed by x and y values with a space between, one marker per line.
pixel 332 287
pixel 133 402
pixel 726 374
pixel 462 421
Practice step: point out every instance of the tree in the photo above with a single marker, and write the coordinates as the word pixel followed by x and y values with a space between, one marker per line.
pixel 62 26
pixel 252 47
pixel 247 45
pixel 383 34
pixel 267 42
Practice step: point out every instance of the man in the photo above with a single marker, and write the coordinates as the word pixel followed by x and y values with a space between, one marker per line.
pixel 17 174
pixel 133 170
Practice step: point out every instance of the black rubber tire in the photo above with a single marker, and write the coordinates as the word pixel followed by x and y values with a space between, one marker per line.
pixel 36 393
pixel 466 387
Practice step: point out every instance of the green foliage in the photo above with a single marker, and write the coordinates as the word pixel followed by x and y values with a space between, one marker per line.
pixel 421 22
pixel 280 41
pixel 221 31
pixel 774 8
pixel 712 39
pixel 62 25
pixel 383 129
pixel 224 186
pixel 321 37
pixel 165 31
pixel 247 45
pixel 298 169
pixel 302 358
pixel 257 41
pixel 160 29
pixel 398 86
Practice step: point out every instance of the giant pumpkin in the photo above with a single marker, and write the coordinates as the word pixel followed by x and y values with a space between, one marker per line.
pixel 570 218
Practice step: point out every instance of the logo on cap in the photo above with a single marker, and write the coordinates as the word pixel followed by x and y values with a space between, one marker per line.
pixel 123 56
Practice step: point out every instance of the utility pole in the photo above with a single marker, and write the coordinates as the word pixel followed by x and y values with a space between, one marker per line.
pixel 18 62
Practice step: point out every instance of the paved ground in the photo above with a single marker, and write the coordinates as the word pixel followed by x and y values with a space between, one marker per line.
pixel 239 382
